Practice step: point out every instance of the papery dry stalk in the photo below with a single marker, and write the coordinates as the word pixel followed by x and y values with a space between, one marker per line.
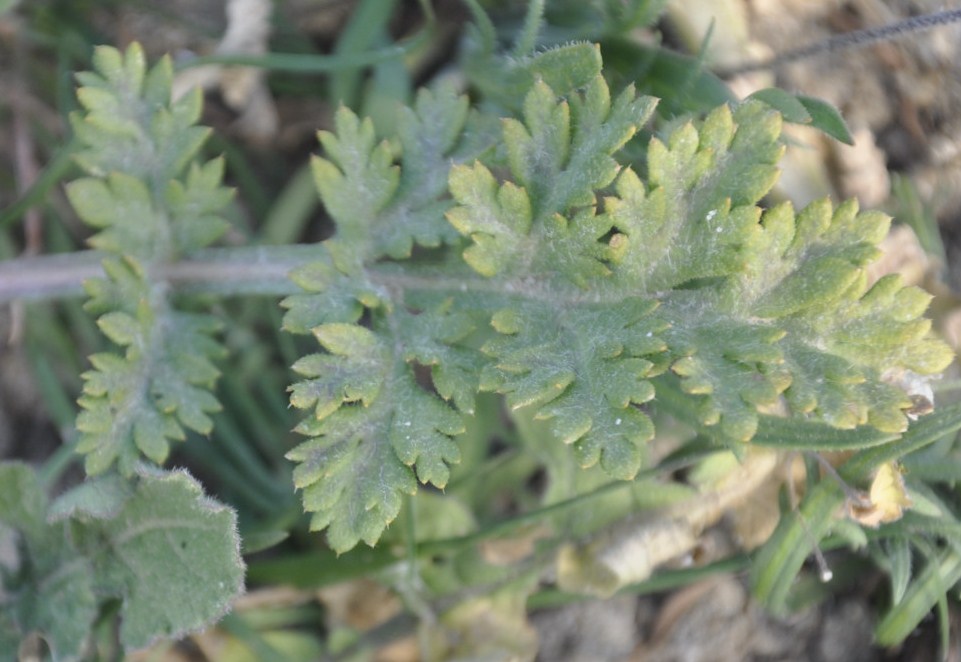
pixel 631 550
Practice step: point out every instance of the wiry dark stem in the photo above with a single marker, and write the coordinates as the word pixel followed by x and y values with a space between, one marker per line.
pixel 854 39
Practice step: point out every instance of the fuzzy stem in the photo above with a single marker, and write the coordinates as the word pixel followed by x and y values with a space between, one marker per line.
pixel 259 270
pixel 226 271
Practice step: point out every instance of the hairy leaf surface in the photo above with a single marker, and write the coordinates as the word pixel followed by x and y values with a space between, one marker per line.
pixel 584 368
pixel 165 542
pixel 169 553
pixel 679 279
pixel 374 429
pixel 379 207
pixel 541 222
pixel 134 404
pixel 151 204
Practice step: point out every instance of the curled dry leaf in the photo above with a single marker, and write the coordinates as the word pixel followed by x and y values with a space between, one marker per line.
pixel 885 501
pixel 244 89
pixel 630 551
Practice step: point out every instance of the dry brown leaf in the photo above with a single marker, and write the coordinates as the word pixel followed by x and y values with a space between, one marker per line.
pixel 509 551
pixel 244 89
pixel 886 500
pixel 360 604
pixel 491 627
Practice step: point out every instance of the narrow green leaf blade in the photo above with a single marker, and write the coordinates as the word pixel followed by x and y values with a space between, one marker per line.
pixel 778 562
pixel 826 117
pixel 796 434
pixel 785 103
pixel 922 595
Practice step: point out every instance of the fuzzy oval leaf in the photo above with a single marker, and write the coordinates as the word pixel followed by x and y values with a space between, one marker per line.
pixel 171 555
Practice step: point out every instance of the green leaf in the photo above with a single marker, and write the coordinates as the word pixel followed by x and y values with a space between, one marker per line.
pixel 561 154
pixel 794 434
pixel 358 177
pixel 496 217
pixel 343 288
pixel 899 561
pixel 702 188
pixel 9 637
pixel 799 434
pixel 149 212
pixel 922 433
pixel 421 432
pixel 136 145
pixel 542 221
pixel 583 367
pixel 346 448
pixel 166 542
pixel 808 260
pixel 779 561
pixel 506 81
pixel 734 366
pixel 436 337
pixel 22 501
pixel 48 574
pixel 369 415
pixel 381 208
pixel 758 311
pixel 170 554
pixel 101 498
pixel 844 358
pixel 122 205
pixel 939 575
pixel 195 206
pixel 132 411
pixel 785 103
pixel 353 371
pixel 826 117
pixel 129 124
pixel 842 341
pixel 802 109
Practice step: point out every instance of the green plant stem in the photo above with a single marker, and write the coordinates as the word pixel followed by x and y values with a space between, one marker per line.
pixel 485 28
pixel 228 271
pixel 665 580
pixel 58 168
pixel 532 25
pixel 312 64
pixel 260 270
pixel 367 24
pixel 55 466
pixel 503 527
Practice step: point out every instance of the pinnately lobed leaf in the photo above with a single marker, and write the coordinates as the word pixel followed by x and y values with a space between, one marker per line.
pixel 597 287
pixel 151 204
pixel 585 369
pixel 371 417
pixel 381 207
